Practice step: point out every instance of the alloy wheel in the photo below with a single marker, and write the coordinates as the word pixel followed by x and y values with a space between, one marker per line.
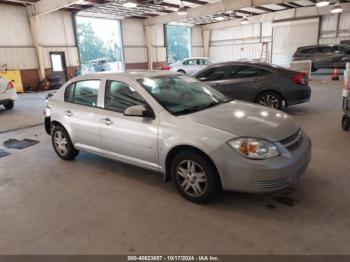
pixel 61 143
pixel 269 101
pixel 192 178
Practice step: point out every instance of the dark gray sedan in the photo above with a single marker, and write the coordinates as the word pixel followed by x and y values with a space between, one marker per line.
pixel 258 82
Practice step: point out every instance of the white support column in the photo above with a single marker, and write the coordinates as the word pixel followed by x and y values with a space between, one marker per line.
pixel 149 44
pixel 206 42
pixel 34 26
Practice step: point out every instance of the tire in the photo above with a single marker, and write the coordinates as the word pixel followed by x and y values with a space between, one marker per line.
pixel 62 144
pixel 313 68
pixel 270 99
pixel 345 123
pixel 200 188
pixel 9 105
pixel 182 72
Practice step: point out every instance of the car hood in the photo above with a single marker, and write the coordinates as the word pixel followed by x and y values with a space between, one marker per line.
pixel 247 119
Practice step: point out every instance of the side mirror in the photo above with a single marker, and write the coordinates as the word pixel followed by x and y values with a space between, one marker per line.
pixel 138 111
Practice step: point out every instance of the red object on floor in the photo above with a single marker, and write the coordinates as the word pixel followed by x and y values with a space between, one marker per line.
pixel 335 75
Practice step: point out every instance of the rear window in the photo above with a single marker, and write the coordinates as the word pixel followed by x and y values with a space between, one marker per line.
pixel 83 93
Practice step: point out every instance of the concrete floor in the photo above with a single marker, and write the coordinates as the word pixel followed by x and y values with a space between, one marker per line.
pixel 97 206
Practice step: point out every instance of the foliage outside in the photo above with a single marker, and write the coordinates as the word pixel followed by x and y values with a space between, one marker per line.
pixel 178 42
pixel 92 47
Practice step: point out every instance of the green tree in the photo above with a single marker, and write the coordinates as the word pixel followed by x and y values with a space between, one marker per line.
pixel 178 42
pixel 91 47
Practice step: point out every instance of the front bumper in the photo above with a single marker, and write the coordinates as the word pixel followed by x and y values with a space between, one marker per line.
pixel 9 95
pixel 257 176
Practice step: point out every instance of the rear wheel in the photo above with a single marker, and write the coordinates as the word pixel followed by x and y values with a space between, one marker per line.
pixel 345 123
pixel 270 99
pixel 62 144
pixel 9 105
pixel 195 177
pixel 182 72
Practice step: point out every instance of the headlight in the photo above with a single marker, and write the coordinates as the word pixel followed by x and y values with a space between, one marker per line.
pixel 254 148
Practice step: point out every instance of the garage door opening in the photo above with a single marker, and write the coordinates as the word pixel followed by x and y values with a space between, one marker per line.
pixel 100 44
pixel 178 42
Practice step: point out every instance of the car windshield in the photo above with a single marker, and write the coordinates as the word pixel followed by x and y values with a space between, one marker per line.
pixel 182 95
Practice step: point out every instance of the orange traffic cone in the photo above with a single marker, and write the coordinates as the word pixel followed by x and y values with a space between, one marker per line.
pixel 335 75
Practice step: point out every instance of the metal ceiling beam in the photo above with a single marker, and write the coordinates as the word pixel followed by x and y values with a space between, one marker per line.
pixel 43 7
pixel 264 9
pixel 210 9
pixel 306 12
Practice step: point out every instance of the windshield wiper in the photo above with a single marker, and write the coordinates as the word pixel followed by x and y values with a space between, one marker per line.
pixel 198 108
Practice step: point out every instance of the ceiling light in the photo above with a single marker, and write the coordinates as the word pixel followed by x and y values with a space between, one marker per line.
pixel 244 21
pixel 182 9
pixel 130 4
pixel 322 3
pixel 336 9
pixel 219 18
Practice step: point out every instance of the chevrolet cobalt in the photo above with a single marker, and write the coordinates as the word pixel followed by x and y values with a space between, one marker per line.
pixel 173 124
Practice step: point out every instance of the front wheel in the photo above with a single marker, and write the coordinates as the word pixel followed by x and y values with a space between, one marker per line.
pixel 345 123
pixel 195 177
pixel 62 144
pixel 9 105
pixel 270 99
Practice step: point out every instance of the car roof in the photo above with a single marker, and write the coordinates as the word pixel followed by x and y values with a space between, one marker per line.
pixel 314 46
pixel 248 63
pixel 130 74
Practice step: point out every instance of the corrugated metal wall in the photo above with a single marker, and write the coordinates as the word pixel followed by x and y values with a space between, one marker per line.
pixel 240 43
pixel 329 34
pixel 197 42
pixel 16 43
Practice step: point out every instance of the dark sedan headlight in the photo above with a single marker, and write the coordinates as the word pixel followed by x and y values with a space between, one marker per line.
pixel 254 148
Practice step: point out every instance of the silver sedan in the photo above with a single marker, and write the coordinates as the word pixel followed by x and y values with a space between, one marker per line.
pixel 195 136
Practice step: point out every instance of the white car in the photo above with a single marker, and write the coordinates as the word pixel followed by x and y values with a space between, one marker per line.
pixel 190 66
pixel 8 94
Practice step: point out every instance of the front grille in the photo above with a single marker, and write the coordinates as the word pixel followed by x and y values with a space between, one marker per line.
pixel 294 141
pixel 272 184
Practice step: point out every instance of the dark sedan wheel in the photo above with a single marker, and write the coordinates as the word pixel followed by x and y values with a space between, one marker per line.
pixel 270 99
pixel 345 123
pixel 195 177
pixel 9 105
pixel 62 144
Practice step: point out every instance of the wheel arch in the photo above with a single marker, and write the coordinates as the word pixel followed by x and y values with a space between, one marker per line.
pixel 180 148
pixel 57 123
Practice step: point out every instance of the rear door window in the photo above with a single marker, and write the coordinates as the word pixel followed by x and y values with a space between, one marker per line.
pixel 248 71
pixel 308 51
pixel 86 92
pixel 213 74
pixel 326 49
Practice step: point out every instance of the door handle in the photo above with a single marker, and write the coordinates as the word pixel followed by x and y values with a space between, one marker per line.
pixel 69 113
pixel 107 121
